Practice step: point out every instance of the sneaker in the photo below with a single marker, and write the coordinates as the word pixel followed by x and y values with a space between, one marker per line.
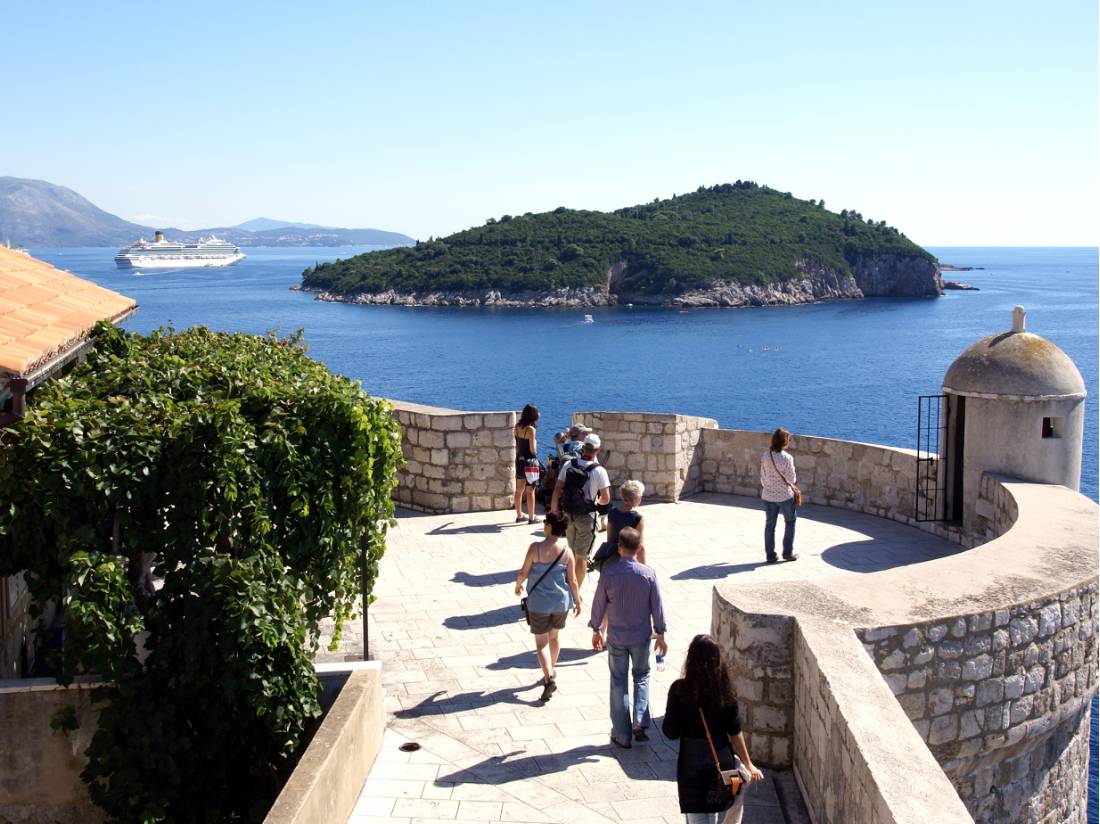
pixel 792 557
pixel 548 689
pixel 773 560
pixel 520 519
pixel 640 734
pixel 624 744
pixel 534 520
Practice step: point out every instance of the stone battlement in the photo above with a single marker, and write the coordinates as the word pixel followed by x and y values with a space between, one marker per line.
pixel 943 691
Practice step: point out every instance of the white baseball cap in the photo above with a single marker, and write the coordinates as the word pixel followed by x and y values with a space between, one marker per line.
pixel 592 440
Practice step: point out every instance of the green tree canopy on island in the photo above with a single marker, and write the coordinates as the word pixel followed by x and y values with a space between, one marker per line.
pixel 250 478
pixel 738 232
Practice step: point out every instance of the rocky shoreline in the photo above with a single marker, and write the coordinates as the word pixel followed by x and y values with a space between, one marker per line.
pixel 888 276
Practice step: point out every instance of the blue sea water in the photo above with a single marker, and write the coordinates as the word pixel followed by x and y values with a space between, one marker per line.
pixel 849 369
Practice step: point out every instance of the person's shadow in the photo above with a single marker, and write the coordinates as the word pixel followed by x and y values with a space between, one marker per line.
pixel 486 579
pixel 442 702
pixel 528 660
pixel 498 769
pixel 481 620
pixel 713 572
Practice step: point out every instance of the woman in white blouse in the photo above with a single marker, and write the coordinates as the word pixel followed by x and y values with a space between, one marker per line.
pixel 778 491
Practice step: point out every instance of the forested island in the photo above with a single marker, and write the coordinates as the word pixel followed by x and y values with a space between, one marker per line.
pixel 733 244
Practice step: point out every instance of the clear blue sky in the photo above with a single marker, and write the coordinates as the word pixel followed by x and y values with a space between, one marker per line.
pixel 958 122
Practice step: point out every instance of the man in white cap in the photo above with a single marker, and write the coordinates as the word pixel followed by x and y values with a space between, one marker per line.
pixel 582 485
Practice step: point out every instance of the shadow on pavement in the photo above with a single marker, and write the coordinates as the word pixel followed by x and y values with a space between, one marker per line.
pixel 528 660
pixel 486 579
pixel 712 572
pixel 444 702
pixel 481 620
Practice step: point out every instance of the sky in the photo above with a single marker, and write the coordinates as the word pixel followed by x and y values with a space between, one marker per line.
pixel 960 123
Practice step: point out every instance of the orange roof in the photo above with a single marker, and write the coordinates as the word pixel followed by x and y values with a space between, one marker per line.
pixel 44 311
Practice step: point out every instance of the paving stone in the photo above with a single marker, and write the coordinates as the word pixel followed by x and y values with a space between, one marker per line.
pixel 462 679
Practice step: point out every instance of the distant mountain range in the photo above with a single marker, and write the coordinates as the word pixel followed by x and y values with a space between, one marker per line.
pixel 38 213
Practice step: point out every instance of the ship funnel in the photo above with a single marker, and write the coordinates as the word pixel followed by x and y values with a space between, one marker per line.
pixel 158 237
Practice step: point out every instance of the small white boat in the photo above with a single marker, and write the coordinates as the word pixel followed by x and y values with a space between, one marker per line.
pixel 588 319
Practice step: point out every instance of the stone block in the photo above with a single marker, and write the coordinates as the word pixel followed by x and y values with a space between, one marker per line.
pixel 499 421
pixel 1000 639
pixel 879 633
pixel 970 724
pixel 943 729
pixel 937 632
pixel 949 650
pixel 940 701
pixel 990 692
pixel 977 668
pixel 917 679
pixel 769 719
pixel 458 439
pixel 914 705
pixel 1050 619
pixel 1022 631
pixel 977 644
pixel 958 628
pixel 912 638
pixel 447 423
pixel 1021 709
pixel 1013 686
pixel 895 660
pixel 1034 679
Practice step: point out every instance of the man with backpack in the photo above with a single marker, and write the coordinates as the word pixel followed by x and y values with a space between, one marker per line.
pixel 582 485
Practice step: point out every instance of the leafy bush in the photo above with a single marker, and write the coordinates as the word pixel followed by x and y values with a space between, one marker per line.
pixel 667 245
pixel 251 478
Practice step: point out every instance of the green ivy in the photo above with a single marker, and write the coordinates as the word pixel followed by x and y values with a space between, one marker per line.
pixel 251 478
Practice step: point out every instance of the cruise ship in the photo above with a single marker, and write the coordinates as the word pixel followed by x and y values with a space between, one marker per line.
pixel 167 254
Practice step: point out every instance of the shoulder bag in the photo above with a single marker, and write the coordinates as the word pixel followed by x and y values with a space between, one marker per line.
pixel 797 492
pixel 732 781
pixel 523 601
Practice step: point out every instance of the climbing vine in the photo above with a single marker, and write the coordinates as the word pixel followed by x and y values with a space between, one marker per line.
pixel 245 479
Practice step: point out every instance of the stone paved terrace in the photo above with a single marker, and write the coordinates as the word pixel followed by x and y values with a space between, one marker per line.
pixel 462 679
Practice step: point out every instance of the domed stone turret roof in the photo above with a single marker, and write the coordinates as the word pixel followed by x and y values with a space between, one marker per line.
pixel 1015 364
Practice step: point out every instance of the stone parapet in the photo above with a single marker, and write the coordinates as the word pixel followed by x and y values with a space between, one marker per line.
pixel 660 450
pixel 876 480
pixel 455 461
pixel 989 653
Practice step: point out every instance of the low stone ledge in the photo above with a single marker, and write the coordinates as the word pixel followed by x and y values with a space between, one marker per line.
pixel 326 783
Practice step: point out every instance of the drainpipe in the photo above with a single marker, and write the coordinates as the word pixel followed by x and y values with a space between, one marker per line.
pixel 18 402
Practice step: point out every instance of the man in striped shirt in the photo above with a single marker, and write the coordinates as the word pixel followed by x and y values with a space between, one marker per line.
pixel 629 597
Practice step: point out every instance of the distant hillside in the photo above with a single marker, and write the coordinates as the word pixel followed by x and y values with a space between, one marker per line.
pixel 37 213
pixel 262 224
pixel 731 244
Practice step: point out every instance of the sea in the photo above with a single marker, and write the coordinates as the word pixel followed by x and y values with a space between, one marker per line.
pixel 843 369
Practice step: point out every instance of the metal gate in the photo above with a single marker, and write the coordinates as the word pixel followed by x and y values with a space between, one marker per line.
pixel 932 426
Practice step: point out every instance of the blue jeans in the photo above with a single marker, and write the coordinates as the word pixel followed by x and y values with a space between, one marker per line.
pixel 772 511
pixel 619 659
pixel 730 816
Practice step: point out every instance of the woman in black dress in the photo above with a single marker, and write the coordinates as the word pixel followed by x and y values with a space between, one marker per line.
pixel 526 448
pixel 706 685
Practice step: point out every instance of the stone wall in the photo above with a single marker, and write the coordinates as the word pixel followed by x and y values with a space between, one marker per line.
pixel 987 690
pixel 660 450
pixel 876 480
pixel 40 768
pixel 455 461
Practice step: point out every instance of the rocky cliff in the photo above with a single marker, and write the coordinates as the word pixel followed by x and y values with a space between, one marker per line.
pixel 883 276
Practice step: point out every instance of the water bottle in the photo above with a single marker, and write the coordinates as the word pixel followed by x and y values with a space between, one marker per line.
pixel 660 663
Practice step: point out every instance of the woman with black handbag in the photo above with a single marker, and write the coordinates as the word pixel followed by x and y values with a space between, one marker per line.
pixel 551 596
pixel 713 765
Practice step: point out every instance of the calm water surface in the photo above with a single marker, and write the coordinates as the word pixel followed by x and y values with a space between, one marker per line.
pixel 850 369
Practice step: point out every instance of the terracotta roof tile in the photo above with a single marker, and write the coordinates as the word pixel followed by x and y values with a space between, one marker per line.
pixel 44 311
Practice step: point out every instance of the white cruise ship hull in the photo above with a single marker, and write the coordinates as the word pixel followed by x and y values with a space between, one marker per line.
pixel 136 261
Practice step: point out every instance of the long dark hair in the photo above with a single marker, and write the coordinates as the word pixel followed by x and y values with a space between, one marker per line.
pixel 706 675
pixel 528 416
pixel 780 438
pixel 557 522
